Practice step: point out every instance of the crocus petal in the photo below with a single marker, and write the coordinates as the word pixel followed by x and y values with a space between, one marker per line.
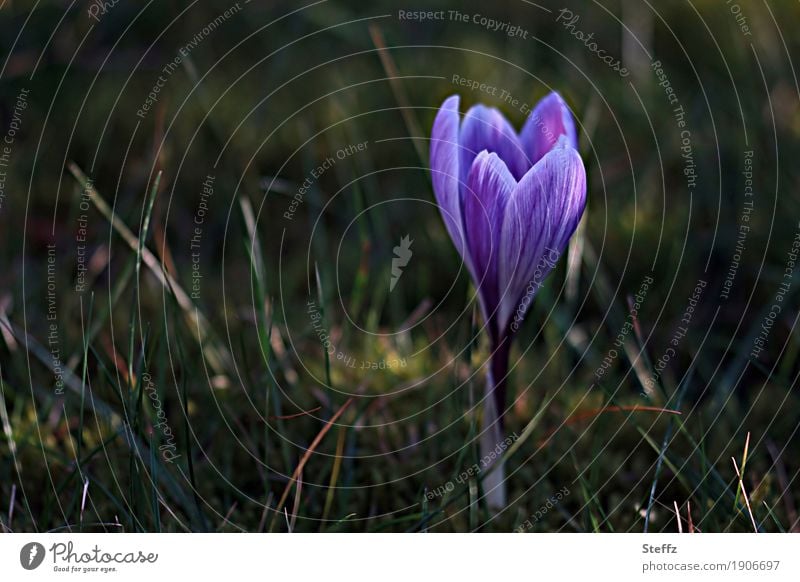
pixel 568 200
pixel 489 186
pixel 445 175
pixel 549 120
pixel 485 128
pixel 542 213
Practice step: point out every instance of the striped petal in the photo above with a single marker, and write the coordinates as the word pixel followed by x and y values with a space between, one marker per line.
pixel 489 186
pixel 542 212
pixel 549 120
pixel 445 174
pixel 485 128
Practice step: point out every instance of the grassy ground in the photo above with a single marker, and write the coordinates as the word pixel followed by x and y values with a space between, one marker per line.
pixel 230 361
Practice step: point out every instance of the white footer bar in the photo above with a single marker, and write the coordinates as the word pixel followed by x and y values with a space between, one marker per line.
pixel 388 557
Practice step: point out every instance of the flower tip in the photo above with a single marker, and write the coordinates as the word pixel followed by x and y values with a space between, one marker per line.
pixel 564 142
pixel 483 112
pixel 564 153
pixel 451 102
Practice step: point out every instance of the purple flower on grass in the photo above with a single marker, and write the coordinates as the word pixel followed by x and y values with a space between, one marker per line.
pixel 510 202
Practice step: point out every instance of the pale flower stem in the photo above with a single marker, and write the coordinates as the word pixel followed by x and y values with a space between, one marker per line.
pixel 494 485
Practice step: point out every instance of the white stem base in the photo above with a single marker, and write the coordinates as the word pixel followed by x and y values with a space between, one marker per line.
pixel 494 484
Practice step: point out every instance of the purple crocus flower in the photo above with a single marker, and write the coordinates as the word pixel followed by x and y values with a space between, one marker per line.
pixel 510 202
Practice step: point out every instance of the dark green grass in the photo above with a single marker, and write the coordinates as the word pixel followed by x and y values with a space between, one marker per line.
pixel 246 386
